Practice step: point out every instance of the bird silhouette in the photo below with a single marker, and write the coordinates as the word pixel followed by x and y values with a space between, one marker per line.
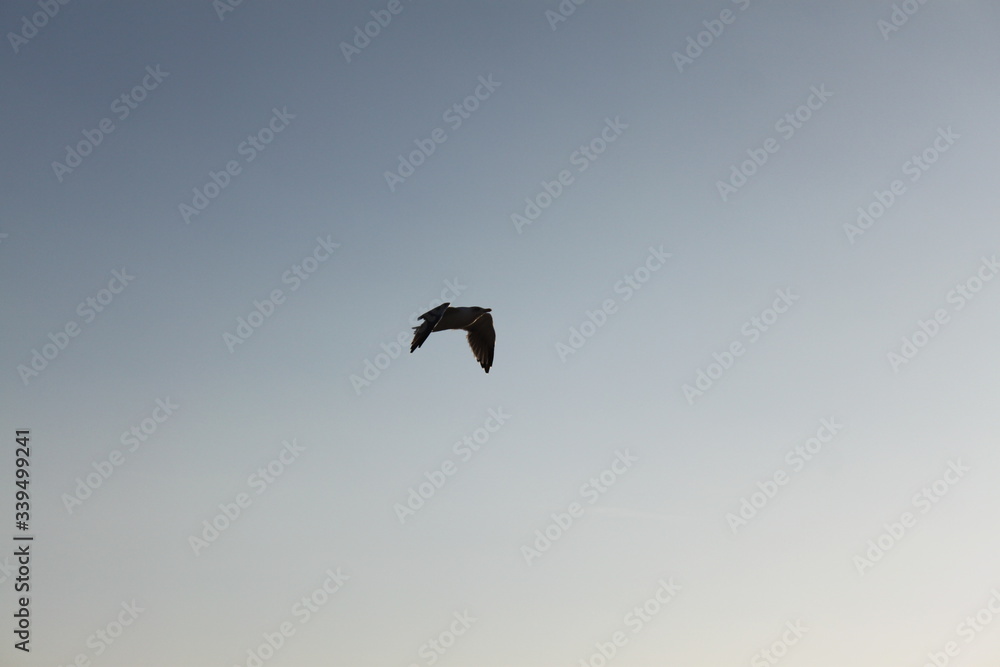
pixel 475 321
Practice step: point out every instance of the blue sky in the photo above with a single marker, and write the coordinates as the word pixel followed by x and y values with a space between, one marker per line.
pixel 740 257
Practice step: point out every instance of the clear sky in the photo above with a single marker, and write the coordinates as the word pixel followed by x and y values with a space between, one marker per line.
pixel 741 261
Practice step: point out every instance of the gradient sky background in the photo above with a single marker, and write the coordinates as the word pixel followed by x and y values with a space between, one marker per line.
pixel 323 176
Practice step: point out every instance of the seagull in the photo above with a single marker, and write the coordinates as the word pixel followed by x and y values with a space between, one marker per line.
pixel 476 321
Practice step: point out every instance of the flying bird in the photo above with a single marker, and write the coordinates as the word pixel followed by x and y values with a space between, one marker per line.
pixel 477 323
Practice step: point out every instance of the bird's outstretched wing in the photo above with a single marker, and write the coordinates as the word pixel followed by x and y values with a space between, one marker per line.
pixel 424 329
pixel 482 338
